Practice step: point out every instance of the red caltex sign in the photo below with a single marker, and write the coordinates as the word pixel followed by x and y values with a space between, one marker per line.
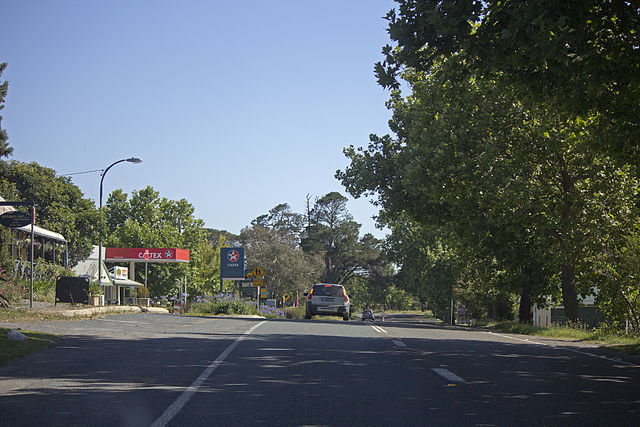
pixel 154 254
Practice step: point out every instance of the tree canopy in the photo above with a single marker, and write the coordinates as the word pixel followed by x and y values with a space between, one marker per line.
pixel 147 220
pixel 489 158
pixel 582 58
pixel 5 150
pixel 60 205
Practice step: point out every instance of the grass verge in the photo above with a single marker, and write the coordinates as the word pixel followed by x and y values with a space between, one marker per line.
pixel 36 341
pixel 607 340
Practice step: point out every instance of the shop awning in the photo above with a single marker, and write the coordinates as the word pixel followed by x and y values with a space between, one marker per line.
pixel 126 282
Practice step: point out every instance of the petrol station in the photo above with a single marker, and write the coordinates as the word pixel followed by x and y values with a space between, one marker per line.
pixel 134 256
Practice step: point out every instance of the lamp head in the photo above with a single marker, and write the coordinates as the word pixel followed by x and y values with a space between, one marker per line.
pixel 134 160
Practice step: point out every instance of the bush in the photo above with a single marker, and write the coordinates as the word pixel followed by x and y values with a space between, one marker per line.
pixel 226 304
pixel 295 312
pixel 10 290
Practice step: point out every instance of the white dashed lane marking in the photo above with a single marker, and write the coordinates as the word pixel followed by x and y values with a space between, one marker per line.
pixel 379 329
pixel 448 375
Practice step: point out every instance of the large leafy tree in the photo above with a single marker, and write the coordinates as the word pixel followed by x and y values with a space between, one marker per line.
pixel 5 150
pixel 277 251
pixel 580 57
pixel 332 233
pixel 281 218
pixel 60 205
pixel 512 179
pixel 148 220
pixel 206 277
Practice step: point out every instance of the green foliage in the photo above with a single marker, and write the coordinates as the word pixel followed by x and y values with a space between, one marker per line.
pixel 332 233
pixel 5 150
pixel 145 220
pixel 228 305
pixel 608 339
pixel 95 288
pixel 617 279
pixel 11 290
pixel 277 251
pixel 513 181
pixel 578 59
pixel 60 205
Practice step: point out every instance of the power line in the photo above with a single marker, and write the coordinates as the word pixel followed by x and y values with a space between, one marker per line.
pixel 80 173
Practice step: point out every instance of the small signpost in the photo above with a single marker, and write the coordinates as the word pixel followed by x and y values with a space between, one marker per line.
pixel 257 274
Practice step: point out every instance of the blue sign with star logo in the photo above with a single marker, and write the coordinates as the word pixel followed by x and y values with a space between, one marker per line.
pixel 232 263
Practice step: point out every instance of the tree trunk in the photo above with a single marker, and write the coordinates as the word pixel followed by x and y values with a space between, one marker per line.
pixel 525 313
pixel 570 293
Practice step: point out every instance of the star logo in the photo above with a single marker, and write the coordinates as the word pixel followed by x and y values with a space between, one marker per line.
pixel 168 254
pixel 233 256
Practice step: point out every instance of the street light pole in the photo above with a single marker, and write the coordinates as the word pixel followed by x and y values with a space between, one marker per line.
pixel 134 160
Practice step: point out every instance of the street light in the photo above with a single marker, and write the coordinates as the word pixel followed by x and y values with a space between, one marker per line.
pixel 130 160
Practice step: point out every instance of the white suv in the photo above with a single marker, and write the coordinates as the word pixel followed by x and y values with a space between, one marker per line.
pixel 328 299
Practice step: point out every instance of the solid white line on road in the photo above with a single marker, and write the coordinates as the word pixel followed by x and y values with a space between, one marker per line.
pixel 379 329
pixel 399 343
pixel 585 353
pixel 179 403
pixel 448 375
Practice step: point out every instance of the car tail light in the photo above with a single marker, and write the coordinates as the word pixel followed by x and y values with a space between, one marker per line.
pixel 346 297
pixel 309 296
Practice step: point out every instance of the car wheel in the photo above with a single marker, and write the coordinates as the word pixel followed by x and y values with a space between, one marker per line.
pixel 345 318
pixel 307 316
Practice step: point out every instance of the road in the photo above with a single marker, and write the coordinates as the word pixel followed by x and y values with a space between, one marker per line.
pixel 145 369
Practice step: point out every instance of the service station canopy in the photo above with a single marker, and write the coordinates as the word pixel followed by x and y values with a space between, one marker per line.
pixel 138 254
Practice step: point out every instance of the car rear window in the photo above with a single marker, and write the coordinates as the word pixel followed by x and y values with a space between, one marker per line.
pixel 327 290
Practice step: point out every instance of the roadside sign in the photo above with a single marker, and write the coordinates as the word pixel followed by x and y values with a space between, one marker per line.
pixel 264 293
pixel 232 264
pixel 257 273
pixel 14 219
pixel 248 292
pixel 258 283
pixel 286 297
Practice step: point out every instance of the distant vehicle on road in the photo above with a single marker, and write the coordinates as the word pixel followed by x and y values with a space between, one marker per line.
pixel 328 299
pixel 368 315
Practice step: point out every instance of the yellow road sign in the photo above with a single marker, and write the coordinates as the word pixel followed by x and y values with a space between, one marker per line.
pixel 264 293
pixel 257 283
pixel 257 272
pixel 286 297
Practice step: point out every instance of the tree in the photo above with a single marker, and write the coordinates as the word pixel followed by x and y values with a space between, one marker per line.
pixel 511 179
pixel 147 220
pixel 287 268
pixel 207 272
pixel 60 205
pixel 580 59
pixel 281 218
pixel 5 150
pixel 333 234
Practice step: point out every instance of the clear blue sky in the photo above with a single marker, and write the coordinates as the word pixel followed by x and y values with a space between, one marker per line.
pixel 234 106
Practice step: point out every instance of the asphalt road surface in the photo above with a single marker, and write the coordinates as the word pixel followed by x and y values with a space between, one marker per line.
pixel 145 369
